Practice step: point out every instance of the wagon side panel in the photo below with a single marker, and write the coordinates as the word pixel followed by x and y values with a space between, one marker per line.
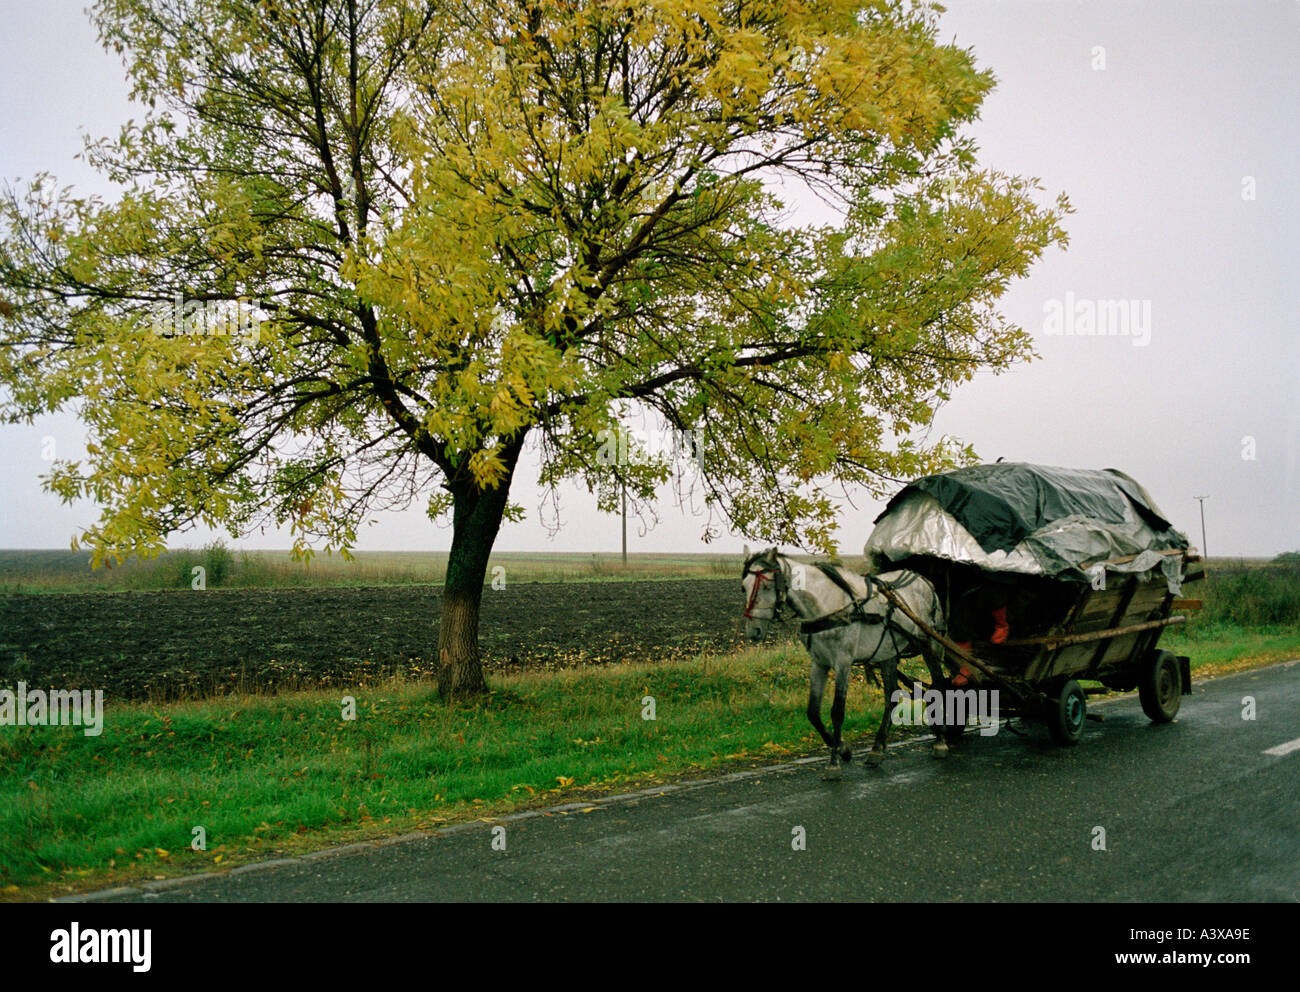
pixel 1126 600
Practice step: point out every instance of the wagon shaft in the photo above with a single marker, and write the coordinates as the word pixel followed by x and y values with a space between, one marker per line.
pixel 1052 642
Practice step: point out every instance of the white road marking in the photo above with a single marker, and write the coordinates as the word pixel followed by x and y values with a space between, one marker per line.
pixel 1283 749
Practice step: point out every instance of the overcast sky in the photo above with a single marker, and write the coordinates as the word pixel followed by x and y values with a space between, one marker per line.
pixel 1172 127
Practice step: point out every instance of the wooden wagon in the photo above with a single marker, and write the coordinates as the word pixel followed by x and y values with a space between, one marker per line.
pixel 1074 615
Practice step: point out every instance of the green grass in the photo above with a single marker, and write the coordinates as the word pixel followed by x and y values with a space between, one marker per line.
pixel 259 772
pixel 1217 650
pixel 266 776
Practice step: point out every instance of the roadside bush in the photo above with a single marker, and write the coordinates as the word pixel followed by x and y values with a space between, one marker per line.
pixel 175 569
pixel 217 561
pixel 1253 596
pixel 253 571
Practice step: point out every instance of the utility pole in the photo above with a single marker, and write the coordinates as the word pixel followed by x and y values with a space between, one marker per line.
pixel 625 525
pixel 1201 500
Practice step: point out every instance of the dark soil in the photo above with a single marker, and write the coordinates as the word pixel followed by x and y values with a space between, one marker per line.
pixel 185 644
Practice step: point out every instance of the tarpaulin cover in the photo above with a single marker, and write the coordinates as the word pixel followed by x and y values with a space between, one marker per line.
pixel 1032 519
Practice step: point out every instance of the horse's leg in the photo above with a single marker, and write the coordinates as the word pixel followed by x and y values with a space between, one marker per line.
pixel 843 670
pixel 888 676
pixel 937 681
pixel 816 686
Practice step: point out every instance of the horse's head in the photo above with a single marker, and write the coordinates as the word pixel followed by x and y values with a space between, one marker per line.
pixel 765 586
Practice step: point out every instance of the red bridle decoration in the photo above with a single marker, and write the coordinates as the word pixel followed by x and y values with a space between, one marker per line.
pixel 759 578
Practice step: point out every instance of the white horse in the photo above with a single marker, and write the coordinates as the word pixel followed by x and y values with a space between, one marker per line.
pixel 847 620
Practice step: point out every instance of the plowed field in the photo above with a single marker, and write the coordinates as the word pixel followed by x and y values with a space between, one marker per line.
pixel 175 644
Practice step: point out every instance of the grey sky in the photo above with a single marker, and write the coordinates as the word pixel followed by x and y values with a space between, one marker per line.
pixel 1159 151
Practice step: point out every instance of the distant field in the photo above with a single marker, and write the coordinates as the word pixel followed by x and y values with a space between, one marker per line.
pixel 69 571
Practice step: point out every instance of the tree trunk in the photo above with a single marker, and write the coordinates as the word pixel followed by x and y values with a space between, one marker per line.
pixel 476 519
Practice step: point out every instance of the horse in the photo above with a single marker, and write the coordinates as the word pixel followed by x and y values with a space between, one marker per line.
pixel 847 620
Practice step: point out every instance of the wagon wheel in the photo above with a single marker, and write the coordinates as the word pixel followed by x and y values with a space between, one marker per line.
pixel 1160 686
pixel 1067 713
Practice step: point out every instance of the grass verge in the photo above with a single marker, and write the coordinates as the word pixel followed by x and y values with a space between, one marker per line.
pixel 1221 649
pixel 265 776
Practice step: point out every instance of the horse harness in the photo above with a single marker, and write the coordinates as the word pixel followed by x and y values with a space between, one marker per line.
pixel 853 613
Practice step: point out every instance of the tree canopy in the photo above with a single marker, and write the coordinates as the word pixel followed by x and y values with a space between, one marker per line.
pixel 463 224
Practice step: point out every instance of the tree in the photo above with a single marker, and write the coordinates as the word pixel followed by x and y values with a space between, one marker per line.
pixel 464 224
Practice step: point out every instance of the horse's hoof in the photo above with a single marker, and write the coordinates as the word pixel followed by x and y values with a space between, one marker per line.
pixel 832 774
pixel 941 750
pixel 874 758
pixel 846 755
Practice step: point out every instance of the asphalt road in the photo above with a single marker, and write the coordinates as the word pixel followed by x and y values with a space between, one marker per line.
pixel 1194 810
